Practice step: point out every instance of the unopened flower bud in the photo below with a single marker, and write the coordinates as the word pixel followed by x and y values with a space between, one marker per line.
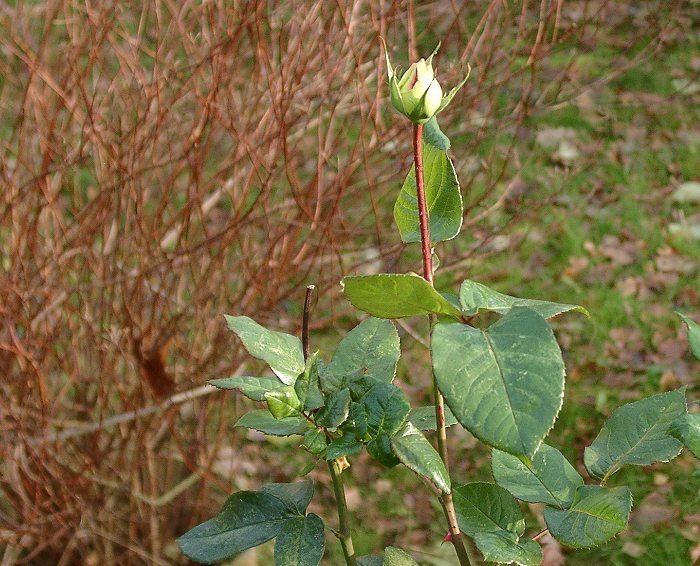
pixel 417 94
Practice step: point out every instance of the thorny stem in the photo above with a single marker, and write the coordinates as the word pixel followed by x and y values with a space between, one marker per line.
pixel 464 547
pixel 336 473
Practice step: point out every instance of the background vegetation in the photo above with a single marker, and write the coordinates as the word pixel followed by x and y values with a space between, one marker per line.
pixel 164 162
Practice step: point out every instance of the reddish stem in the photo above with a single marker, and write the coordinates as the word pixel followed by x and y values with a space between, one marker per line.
pixel 422 204
pixel 466 552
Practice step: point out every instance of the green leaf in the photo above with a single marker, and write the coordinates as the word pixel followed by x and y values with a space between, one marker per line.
pixel 687 429
pixel 282 352
pixel 693 334
pixel 383 408
pixel 416 453
pixel 442 196
pixel 596 516
pixel 300 542
pixel 505 547
pixel 307 385
pixel 346 445
pixel 283 402
pixel 492 517
pixel 487 507
pixel 396 557
pixel 247 519
pixel 474 297
pixel 505 384
pixel 638 434
pixel 335 411
pixel 263 421
pixel 380 449
pixel 296 496
pixel 315 441
pixel 252 387
pixel 424 417
pixel 370 560
pixel 433 135
pixel 371 349
pixel 396 296
pixel 548 478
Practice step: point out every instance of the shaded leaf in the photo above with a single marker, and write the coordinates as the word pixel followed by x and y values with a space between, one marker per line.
pixel 596 515
pixel 296 496
pixel 693 334
pixel 506 384
pixel 282 352
pixel 687 429
pixel 307 384
pixel 487 507
pixel 396 557
pixel 371 349
pixel 638 434
pixel 370 560
pixel 474 297
pixel 505 547
pixel 252 387
pixel 424 417
pixel 300 542
pixel 416 453
pixel 380 449
pixel 336 409
pixel 396 296
pixel 283 402
pixel 433 135
pixel 247 519
pixel 442 196
pixel 346 445
pixel 548 478
pixel 263 421
pixel 315 441
pixel 383 408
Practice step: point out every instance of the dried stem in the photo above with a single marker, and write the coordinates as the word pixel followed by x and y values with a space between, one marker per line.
pixel 466 552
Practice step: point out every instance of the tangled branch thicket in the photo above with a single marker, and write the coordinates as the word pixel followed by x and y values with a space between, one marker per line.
pixel 165 162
